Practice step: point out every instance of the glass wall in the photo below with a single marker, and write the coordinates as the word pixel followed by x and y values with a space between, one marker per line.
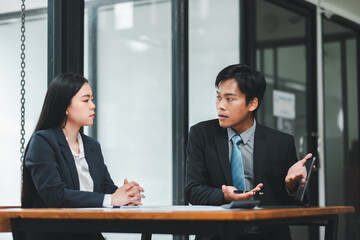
pixel 214 37
pixel 132 58
pixel 128 62
pixel 281 57
pixel 341 123
pixel 36 84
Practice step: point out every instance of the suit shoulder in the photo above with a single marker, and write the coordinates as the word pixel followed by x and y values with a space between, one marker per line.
pixel 275 133
pixel 209 124
pixel 206 131
pixel 42 140
pixel 45 134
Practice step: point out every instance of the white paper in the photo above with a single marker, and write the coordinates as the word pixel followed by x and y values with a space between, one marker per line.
pixel 153 208
pixel 284 104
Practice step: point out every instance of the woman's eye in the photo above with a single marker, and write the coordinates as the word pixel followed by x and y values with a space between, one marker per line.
pixel 229 99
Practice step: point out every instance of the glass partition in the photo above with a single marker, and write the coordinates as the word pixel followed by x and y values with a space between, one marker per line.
pixel 341 123
pixel 35 88
pixel 128 59
pixel 214 36
pixel 133 94
pixel 281 52
pixel 281 56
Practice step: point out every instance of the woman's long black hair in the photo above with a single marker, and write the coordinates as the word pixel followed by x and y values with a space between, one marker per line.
pixel 53 114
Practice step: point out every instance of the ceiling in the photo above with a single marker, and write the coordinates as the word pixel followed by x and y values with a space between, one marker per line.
pixel 349 9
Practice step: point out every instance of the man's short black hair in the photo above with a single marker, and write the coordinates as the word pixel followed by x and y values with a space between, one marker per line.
pixel 251 83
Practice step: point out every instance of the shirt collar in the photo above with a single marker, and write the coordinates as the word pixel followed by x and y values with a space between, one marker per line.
pixel 245 136
pixel 81 147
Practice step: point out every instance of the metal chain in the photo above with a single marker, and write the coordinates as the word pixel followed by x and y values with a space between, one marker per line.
pixel 22 82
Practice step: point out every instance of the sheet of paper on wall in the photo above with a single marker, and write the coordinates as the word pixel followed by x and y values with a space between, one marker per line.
pixel 284 104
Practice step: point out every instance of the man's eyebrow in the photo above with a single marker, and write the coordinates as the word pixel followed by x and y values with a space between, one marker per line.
pixel 227 94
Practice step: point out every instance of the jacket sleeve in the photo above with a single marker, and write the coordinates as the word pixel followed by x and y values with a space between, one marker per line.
pixel 291 160
pixel 198 189
pixel 108 186
pixel 47 175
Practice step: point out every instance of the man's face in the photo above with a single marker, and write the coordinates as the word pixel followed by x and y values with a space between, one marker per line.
pixel 231 107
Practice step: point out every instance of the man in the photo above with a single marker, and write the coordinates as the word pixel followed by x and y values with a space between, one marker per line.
pixel 268 162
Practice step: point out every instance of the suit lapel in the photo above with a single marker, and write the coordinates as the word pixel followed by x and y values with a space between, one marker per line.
pixel 222 147
pixel 260 151
pixel 68 156
pixel 89 156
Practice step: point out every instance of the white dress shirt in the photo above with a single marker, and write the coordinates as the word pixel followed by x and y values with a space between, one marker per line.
pixel 86 182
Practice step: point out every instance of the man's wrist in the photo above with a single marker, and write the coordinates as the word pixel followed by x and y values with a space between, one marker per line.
pixel 292 186
pixel 224 199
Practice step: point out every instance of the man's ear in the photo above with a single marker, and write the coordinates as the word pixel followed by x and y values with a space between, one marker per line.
pixel 253 104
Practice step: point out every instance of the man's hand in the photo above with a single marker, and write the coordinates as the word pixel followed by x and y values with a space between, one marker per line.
pixel 229 194
pixel 297 174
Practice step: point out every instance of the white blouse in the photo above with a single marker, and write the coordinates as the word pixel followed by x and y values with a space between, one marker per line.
pixel 85 180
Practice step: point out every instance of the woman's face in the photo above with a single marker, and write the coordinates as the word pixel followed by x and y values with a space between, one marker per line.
pixel 81 110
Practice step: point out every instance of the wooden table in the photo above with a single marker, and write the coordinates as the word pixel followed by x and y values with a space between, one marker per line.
pixel 167 220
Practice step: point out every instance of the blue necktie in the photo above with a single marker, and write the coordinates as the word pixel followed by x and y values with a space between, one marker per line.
pixel 237 167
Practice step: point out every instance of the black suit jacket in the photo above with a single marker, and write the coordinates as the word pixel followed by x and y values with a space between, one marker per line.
pixel 208 166
pixel 50 179
pixel 50 175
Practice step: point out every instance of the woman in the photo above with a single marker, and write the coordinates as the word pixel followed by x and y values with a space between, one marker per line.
pixel 62 166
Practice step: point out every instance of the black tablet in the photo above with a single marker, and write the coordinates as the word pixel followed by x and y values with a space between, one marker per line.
pixel 301 191
pixel 242 204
